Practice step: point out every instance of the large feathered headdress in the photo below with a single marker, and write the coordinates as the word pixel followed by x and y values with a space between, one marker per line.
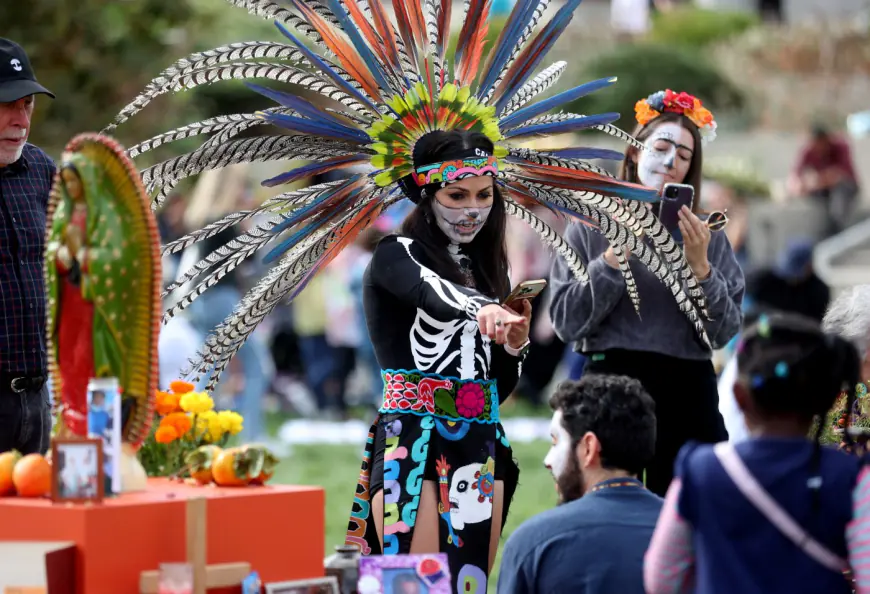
pixel 372 88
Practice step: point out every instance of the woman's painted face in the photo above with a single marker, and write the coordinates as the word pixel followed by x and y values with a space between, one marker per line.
pixel 461 209
pixel 668 156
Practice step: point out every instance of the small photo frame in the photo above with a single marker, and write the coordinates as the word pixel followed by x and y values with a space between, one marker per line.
pixel 323 585
pixel 404 574
pixel 77 472
pixel 104 422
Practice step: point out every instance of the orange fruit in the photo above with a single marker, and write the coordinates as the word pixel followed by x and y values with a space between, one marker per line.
pixel 32 476
pixel 7 465
pixel 237 466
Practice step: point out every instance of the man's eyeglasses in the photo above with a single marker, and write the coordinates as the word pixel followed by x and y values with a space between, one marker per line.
pixel 717 220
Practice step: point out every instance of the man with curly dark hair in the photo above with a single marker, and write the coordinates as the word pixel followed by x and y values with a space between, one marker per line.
pixel 603 431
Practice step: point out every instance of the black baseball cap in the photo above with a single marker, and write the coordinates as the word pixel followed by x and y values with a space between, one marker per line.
pixel 16 75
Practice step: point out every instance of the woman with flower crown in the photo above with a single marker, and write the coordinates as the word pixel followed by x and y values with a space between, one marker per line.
pixel 655 344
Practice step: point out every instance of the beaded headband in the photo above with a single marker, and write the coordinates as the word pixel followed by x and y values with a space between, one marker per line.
pixel 451 171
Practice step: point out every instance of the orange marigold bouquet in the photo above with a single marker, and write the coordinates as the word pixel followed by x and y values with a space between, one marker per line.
pixel 185 422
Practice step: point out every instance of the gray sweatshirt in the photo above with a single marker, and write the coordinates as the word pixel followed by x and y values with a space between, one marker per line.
pixel 598 315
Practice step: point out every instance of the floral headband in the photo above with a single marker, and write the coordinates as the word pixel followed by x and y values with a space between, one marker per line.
pixel 451 171
pixel 653 106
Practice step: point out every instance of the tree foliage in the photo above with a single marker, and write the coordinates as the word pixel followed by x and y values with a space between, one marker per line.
pixel 96 56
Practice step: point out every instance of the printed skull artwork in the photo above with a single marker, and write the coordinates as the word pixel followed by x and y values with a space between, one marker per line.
pixel 465 504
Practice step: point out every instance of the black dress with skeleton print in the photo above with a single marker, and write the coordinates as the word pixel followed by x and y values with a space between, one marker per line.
pixel 443 382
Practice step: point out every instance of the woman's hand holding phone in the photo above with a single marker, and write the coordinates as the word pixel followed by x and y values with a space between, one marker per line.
pixel 696 240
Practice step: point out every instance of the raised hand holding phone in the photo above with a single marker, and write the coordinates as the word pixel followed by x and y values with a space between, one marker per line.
pixel 696 241
pixel 674 198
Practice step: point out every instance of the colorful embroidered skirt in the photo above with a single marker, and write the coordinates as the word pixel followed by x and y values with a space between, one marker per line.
pixel 446 430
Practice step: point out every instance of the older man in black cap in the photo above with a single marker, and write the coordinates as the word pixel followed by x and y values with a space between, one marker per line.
pixel 26 174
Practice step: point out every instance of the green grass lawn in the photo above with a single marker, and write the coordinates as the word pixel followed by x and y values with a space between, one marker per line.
pixel 336 468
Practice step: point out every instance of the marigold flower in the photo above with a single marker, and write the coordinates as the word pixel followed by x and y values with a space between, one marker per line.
pixel 165 434
pixel 231 422
pixel 196 402
pixel 209 423
pixel 644 113
pixel 166 403
pixel 181 387
pixel 178 421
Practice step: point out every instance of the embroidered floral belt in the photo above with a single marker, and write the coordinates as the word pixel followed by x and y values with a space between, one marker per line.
pixel 450 398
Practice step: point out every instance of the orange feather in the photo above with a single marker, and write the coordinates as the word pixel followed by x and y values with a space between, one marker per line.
pixel 348 57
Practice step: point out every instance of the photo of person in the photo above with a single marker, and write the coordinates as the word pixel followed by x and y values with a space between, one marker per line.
pixel 104 423
pixel 77 470
pixel 403 581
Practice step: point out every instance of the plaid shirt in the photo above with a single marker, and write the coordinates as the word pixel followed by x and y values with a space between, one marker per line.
pixel 24 191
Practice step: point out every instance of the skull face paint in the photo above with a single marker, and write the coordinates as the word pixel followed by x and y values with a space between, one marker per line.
pixel 465 504
pixel 460 225
pixel 461 209
pixel 668 156
pixel 557 458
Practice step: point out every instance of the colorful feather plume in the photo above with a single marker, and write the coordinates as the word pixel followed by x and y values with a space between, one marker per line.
pixel 372 88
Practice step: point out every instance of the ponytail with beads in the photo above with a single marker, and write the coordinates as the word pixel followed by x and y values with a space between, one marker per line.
pixel 792 368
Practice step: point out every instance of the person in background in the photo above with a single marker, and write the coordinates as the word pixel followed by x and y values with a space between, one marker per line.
pixel 792 285
pixel 715 536
pixel 660 348
pixel 26 176
pixel 825 172
pixel 530 259
pixel 603 431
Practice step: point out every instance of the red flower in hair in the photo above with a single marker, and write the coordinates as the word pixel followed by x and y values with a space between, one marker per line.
pixel 678 101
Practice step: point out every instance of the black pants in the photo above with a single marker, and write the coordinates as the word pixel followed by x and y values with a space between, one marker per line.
pixel 686 398
pixel 25 420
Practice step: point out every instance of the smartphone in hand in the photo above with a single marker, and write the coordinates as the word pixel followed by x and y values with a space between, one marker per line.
pixel 526 290
pixel 674 198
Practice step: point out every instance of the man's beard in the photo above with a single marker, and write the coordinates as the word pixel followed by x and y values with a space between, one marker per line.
pixel 571 483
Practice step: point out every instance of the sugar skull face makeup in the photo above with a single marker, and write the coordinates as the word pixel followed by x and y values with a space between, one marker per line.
pixel 668 156
pixel 461 209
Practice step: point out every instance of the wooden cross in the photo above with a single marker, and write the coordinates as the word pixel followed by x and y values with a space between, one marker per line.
pixel 220 575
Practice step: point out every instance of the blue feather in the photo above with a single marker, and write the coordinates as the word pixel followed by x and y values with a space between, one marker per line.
pixel 583 152
pixel 279 250
pixel 313 169
pixel 315 127
pixel 321 65
pixel 545 39
pixel 541 174
pixel 536 109
pixel 300 105
pixel 359 43
pixel 520 16
pixel 302 213
pixel 563 126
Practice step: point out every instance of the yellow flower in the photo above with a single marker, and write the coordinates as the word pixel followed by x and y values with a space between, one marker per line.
pixel 166 434
pixel 209 424
pixel 196 402
pixel 231 422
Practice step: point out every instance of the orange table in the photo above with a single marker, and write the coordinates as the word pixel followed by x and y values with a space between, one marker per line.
pixel 278 529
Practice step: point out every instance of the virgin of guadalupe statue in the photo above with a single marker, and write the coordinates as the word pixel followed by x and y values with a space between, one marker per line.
pixel 103 277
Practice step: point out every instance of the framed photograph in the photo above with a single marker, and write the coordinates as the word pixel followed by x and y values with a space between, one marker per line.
pixel 404 574
pixel 104 422
pixel 324 585
pixel 77 472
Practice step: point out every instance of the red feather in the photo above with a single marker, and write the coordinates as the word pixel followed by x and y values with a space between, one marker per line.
pixel 386 32
pixel 348 57
pixel 374 39
pixel 469 64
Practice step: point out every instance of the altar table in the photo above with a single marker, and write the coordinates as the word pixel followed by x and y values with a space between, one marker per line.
pixel 278 529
